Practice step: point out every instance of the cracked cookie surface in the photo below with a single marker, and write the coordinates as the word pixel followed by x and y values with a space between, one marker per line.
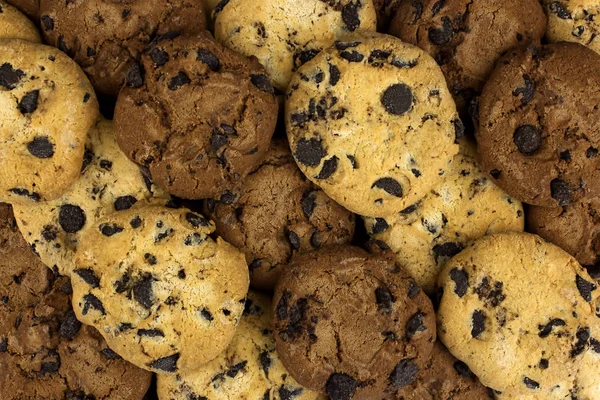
pixel 47 106
pixel 200 117
pixel 248 369
pixel 283 35
pixel 372 123
pixel 539 131
pixel 45 353
pixel 107 37
pixel 519 312
pixel 574 21
pixel 109 182
pixel 351 324
pixel 277 213
pixel 166 297
pixel 15 25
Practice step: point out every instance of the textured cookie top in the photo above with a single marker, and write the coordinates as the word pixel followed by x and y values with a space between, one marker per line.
pixel 351 324
pixel 15 25
pixel 199 115
pixel 164 294
pixel 574 21
pixel 277 213
pixel 520 312
pixel 467 37
pixel 539 131
pixel 109 182
pixel 466 206
pixel 106 37
pixel 31 8
pixel 372 123
pixel 283 35
pixel 248 369
pixel 47 106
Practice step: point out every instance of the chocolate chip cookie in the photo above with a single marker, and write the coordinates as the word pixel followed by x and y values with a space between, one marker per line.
pixel 164 294
pixel 107 37
pixel 465 207
pixel 519 312
pixel 539 131
pixel 351 324
pixel 31 8
pixel 109 182
pixel 467 37
pixel 15 25
pixel 372 123
pixel 574 21
pixel 47 106
pixel 199 115
pixel 248 369
pixel 285 34
pixel 277 213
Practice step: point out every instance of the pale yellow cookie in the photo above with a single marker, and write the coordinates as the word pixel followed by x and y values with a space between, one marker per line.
pixel 15 25
pixel 574 21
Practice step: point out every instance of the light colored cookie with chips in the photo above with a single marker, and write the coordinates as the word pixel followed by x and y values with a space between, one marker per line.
pixel 574 21
pixel 15 25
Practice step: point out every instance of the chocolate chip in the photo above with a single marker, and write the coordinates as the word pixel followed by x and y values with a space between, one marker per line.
pixel 391 186
pixel 289 394
pixel 463 370
pixel 440 36
pixel 583 336
pixel 459 129
pixel 41 147
pixel 110 230
pixel 29 102
pixel 380 226
pixel 591 152
pixel 227 197
pixel 309 152
pixel 92 302
pixel 546 330
pixel 585 288
pixel 206 315
pixel 208 58
pixel 159 56
pixel 235 369
pixel 262 82
pixel 48 22
pixel 136 222
pixel 478 321
pixel 109 354
pixel 352 56
pixel 178 81
pixel 315 241
pixel 166 364
pixel 415 325
pixel 106 165
pixel 527 91
pixel 560 191
pixel 293 239
pixel 544 363
pixel 437 7
pixel 70 326
pixel 25 193
pixel 135 77
pixel 308 203
pixel 196 220
pixel 88 276
pixel 556 7
pixel 418 6
pixel 565 156
pixel 446 250
pixel 282 306
pixel 384 299
pixel 595 345
pixel 404 373
pixel 340 386
pixel 142 292
pixel 88 157
pixel 219 7
pixel 265 362
pixel 301 57
pixel 329 168
pixel 9 77
pixel 528 139
pixel 4 345
pixel 334 75
pixel 530 383
pixel 495 173
pixel 350 16
pixel 71 218
pixel 397 99
pixel 50 367
pixel 124 203
pixel 150 332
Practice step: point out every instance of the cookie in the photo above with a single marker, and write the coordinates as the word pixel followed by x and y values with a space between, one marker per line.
pixel 47 106
pixel 351 324
pixel 109 182
pixel 15 25
pixel 166 296
pixel 539 131
pixel 444 378
pixel 248 369
pixel 31 8
pixel 201 116
pixel 519 312
pixel 107 38
pixel 277 213
pixel 467 37
pixel 385 10
pixel 372 123
pixel 574 21
pixel 465 207
pixel 283 35
pixel 45 353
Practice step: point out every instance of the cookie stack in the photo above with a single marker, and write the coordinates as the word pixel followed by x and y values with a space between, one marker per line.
pixel 282 200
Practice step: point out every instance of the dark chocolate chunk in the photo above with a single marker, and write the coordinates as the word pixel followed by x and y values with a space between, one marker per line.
pixel 293 239
pixel 70 326
pixel 227 197
pixel 478 321
pixel 334 75
pixel 463 370
pixel 413 290
pixel 544 363
pixel 48 22
pixel 25 193
pixel 390 185
pixel 558 8
pixel 29 102
pixel 415 325
pixel 159 56
pixel 446 250
pixel 110 230
pixel 527 91
pixel 235 369
pixel 209 59
pixel 262 82
pixel 397 99
pixel 4 345
pixel 196 220
pixel 136 222
pixel 106 164
pixel 380 225
pixel 301 57
pixel 41 147
pixel 404 373
pixel 560 191
pixel 591 152
pixel 309 152
pixel 135 77
pixel 350 15
pixel 546 330
pixel 71 218
pixel 286 393
pixel 308 203
pixel 150 259
pixel 207 315
pixel 459 129
pixel 265 362
pixel 583 336
pixel 256 263
pixel 329 168
pixel 495 173
pixel 88 276
pixel 142 292
pixel 109 354
pixel 530 383
pixel 528 139
pixel 219 7
pixel 166 364
pixel 352 56
pixel 384 299
pixel 88 157
pixel 281 310
pixel 340 386
pixel 178 81
pixel 124 203
pixel 92 302
pixel 440 36
pixel 9 77
pixel 150 332
pixel 50 367
pixel 585 288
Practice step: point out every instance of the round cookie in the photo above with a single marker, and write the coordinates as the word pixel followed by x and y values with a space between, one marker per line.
pixel 109 182
pixel 248 369
pixel 45 353
pixel 351 324
pixel 284 34
pixel 201 117
pixel 574 21
pixel 467 37
pixel 31 8
pixel 372 123
pixel 275 214
pixel 465 207
pixel 166 296
pixel 519 312
pixel 108 37
pixel 47 106
pixel 15 25
pixel 539 131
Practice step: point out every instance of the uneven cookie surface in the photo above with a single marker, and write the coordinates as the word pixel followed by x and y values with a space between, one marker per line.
pixel 350 324
pixel 465 207
pixel 15 25
pixel 45 353
pixel 574 21
pixel 200 117
pixel 107 37
pixel 277 213
pixel 109 182
pixel 372 123
pixel 31 8
pixel 47 106
pixel 539 133
pixel 248 369
pixel 166 297
pixel 283 35
pixel 513 299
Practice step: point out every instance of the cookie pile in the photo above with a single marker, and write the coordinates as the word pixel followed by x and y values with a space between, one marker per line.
pixel 284 200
